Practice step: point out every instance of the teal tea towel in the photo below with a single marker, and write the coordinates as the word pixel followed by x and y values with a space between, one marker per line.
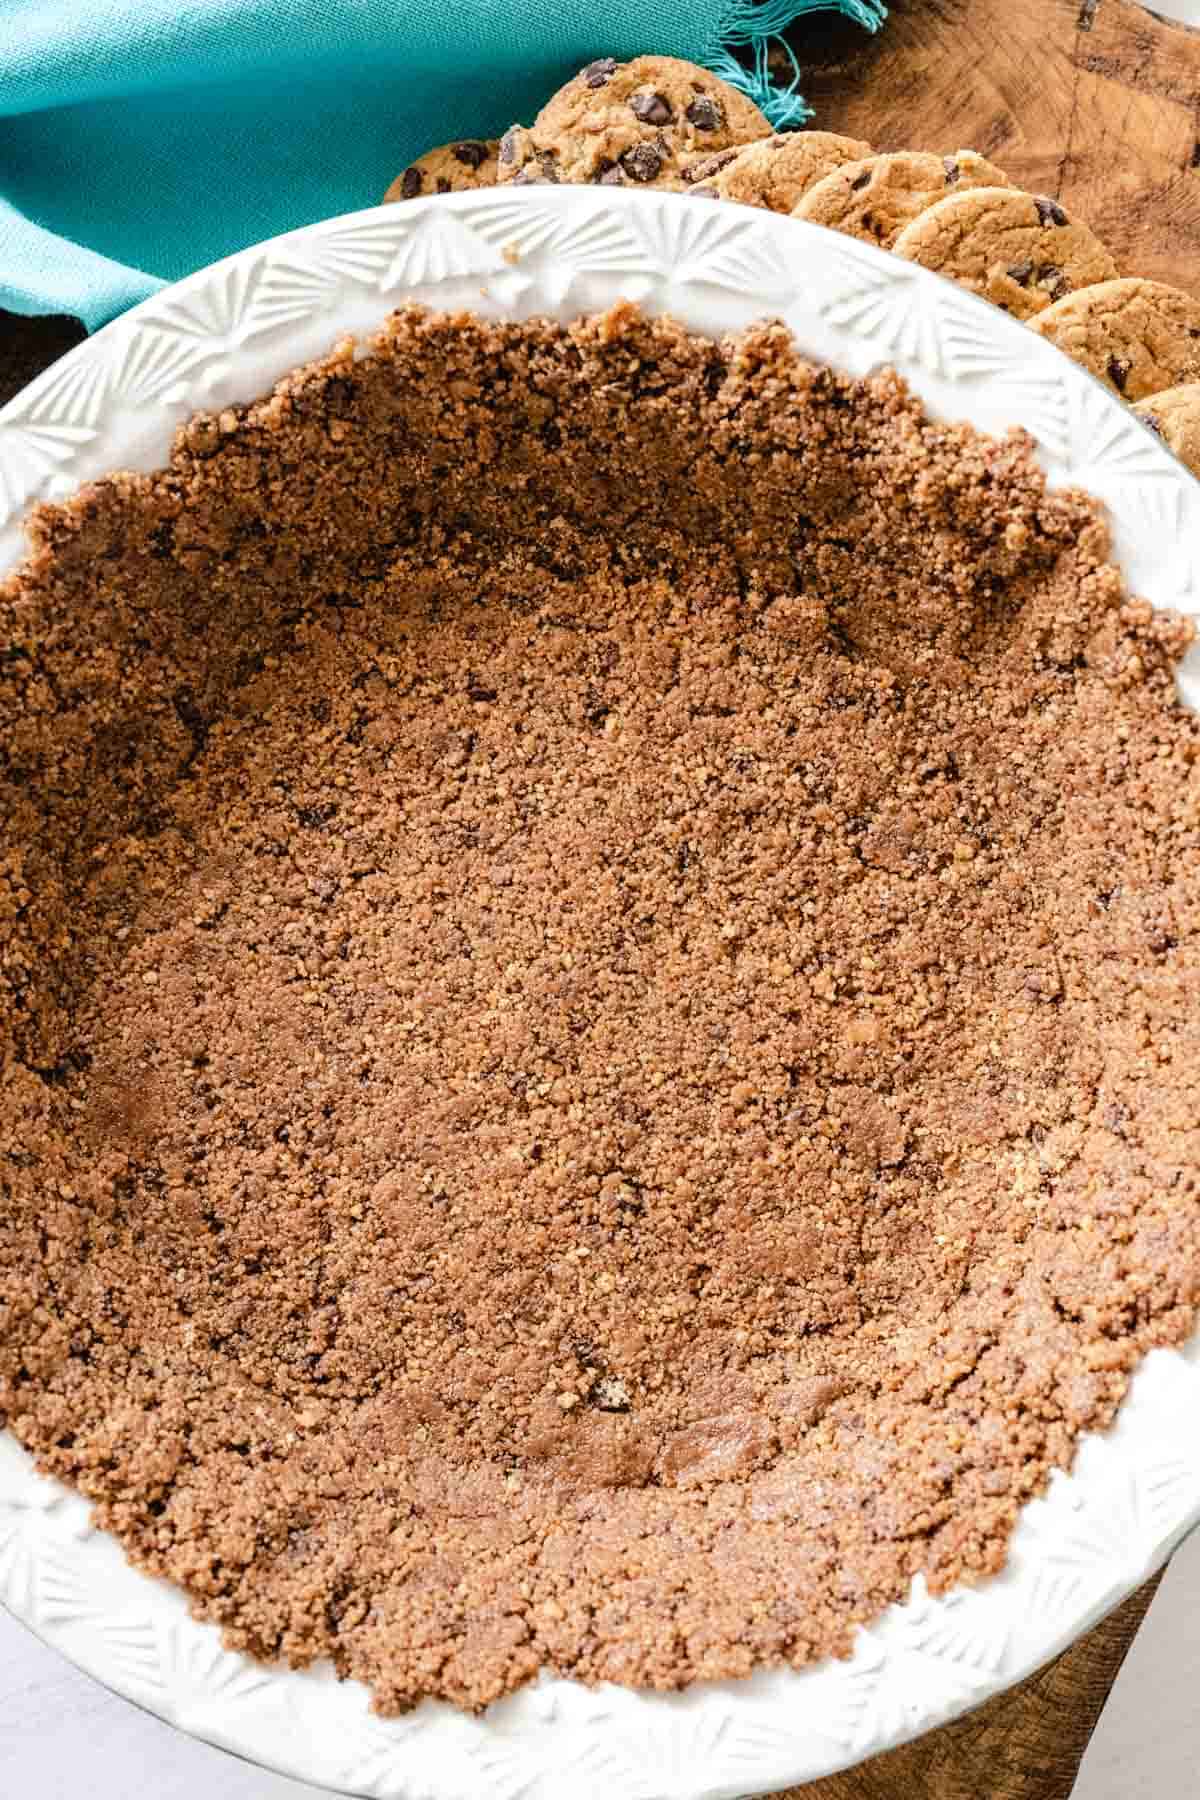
pixel 141 139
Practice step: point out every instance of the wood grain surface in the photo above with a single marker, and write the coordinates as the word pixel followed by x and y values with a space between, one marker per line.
pixel 1096 102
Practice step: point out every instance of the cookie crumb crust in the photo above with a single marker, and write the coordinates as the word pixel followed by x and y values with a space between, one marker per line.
pixel 598 1037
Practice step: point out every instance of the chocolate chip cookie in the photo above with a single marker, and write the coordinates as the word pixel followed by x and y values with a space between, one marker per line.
pixel 1018 250
pixel 777 172
pixel 469 163
pixel 877 196
pixel 1140 337
pixel 642 122
pixel 1175 415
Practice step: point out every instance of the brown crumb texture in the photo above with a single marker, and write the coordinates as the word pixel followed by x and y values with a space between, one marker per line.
pixel 598 1033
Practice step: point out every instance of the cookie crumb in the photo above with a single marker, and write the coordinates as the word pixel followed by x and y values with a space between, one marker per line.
pixel 599 941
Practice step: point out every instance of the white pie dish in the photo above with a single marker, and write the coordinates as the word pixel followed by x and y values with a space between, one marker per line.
pixel 224 335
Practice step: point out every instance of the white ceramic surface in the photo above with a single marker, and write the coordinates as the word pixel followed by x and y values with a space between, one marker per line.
pixel 224 335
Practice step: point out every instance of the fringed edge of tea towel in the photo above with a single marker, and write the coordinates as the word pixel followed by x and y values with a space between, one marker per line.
pixel 758 25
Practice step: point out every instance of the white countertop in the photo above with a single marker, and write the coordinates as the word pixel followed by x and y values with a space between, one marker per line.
pixel 63 1737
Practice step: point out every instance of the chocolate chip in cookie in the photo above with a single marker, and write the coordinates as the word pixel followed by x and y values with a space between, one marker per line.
pixel 643 163
pixel 651 109
pixel 543 169
pixel 1053 281
pixel 705 113
pixel 598 74
pixel 1049 211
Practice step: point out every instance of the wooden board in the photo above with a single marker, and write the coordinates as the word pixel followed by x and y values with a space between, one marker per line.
pixel 1096 102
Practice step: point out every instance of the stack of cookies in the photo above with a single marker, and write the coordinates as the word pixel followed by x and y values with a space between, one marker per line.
pixel 658 122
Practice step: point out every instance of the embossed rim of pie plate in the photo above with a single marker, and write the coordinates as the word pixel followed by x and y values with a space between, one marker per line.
pixel 225 335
